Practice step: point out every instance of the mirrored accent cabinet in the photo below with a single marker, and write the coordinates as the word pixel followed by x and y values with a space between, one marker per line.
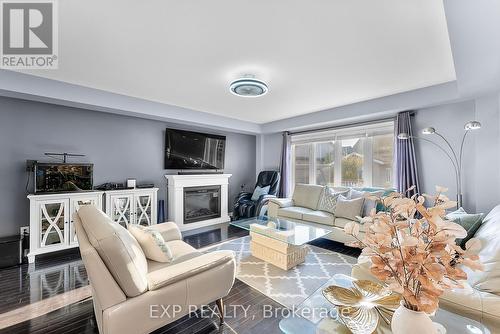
pixel 51 220
pixel 132 206
pixel 51 215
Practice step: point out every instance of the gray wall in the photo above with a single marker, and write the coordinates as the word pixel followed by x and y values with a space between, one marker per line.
pixel 120 147
pixel 481 168
pixel 434 167
pixel 487 150
pixel 270 151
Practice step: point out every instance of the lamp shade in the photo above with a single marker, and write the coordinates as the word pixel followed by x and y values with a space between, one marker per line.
pixel 428 131
pixel 472 125
pixel 403 136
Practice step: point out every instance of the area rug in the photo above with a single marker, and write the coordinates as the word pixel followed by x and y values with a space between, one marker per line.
pixel 290 287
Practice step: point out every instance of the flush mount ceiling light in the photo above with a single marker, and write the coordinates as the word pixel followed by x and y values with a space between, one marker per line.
pixel 248 87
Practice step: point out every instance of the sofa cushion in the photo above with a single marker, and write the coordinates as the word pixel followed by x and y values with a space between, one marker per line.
pixel 343 190
pixel 349 208
pixel 368 204
pixel 328 200
pixel 118 249
pixel 474 304
pixel 181 251
pixel 293 212
pixel 341 222
pixel 470 222
pixel 152 243
pixel 320 217
pixel 307 195
pixel 385 192
pixel 488 280
pixel 163 276
pixel 281 202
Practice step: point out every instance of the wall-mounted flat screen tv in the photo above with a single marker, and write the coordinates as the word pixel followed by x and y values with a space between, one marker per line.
pixel 193 150
pixel 60 177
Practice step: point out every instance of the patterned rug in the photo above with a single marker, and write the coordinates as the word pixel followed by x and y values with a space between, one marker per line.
pixel 290 287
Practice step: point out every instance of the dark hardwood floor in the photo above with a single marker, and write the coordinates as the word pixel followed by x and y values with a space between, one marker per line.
pixel 79 318
pixel 26 286
pixel 53 275
pixel 336 247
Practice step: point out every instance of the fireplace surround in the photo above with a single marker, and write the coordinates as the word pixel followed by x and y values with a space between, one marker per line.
pixel 197 200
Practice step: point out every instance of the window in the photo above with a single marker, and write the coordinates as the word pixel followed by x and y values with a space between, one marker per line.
pixel 325 164
pixel 301 157
pixel 383 149
pixel 349 157
pixel 352 162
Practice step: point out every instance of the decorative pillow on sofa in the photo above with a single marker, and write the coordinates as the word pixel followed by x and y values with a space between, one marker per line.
pixel 259 192
pixel 385 192
pixel 328 200
pixel 349 208
pixel 307 195
pixel 470 222
pixel 152 243
pixel 369 204
pixel 343 190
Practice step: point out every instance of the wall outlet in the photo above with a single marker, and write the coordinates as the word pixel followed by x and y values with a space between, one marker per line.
pixel 24 230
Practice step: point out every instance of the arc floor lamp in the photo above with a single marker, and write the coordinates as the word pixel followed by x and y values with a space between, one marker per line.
pixel 449 151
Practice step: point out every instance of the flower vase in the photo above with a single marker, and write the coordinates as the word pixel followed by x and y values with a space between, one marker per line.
pixel 406 321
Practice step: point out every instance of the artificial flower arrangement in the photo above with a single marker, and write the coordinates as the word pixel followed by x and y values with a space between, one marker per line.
pixel 412 247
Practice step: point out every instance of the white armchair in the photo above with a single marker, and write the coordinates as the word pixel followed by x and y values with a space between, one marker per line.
pixel 130 292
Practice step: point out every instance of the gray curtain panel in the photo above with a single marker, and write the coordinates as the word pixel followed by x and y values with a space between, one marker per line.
pixel 405 162
pixel 285 166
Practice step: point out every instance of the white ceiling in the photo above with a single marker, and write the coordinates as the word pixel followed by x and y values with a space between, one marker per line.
pixel 314 55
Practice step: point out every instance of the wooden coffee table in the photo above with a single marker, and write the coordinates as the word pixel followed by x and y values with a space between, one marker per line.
pixel 278 241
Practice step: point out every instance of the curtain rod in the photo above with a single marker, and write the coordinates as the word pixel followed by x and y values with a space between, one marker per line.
pixel 342 126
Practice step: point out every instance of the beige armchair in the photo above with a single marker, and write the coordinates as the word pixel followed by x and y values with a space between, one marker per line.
pixel 134 295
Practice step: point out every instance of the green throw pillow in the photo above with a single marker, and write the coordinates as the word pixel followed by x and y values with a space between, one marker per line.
pixel 387 191
pixel 469 221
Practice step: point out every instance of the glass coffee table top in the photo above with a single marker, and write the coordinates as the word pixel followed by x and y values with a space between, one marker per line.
pixel 283 230
pixel 316 315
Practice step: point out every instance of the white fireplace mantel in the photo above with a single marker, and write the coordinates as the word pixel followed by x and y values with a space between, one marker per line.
pixel 175 192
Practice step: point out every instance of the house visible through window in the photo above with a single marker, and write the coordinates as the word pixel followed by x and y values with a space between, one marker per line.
pixel 351 157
